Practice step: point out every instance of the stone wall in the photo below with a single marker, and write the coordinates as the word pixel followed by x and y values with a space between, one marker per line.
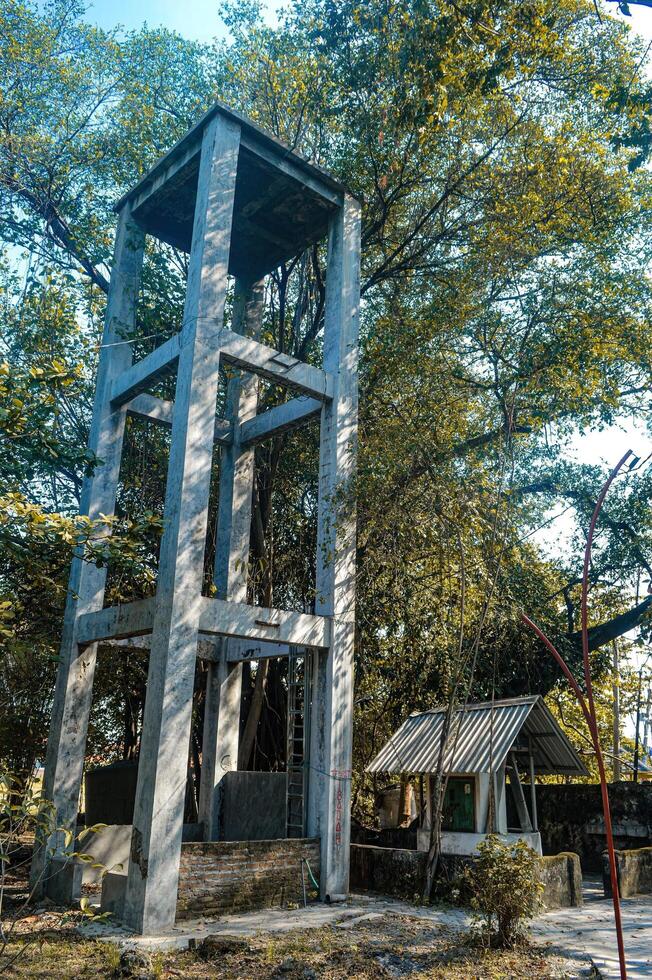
pixel 388 870
pixel 570 819
pixel 634 870
pixel 219 877
pixel 401 872
pixel 405 837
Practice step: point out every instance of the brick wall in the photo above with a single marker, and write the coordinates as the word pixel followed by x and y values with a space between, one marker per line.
pixel 218 877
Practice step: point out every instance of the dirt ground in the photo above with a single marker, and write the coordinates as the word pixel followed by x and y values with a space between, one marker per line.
pixel 45 945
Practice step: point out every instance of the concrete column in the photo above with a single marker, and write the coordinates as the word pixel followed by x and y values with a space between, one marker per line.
pixel 224 681
pixel 64 760
pixel 329 792
pixel 150 901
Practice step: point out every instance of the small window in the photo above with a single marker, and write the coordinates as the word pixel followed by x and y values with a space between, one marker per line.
pixel 459 805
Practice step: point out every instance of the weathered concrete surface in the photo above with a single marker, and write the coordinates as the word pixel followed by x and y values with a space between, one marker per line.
pixel 109 847
pixel 114 888
pixel 150 902
pixel 331 731
pixel 561 875
pixel 218 877
pixel 315 916
pixel 109 793
pixel 570 819
pixel 175 616
pixel 634 869
pixel 590 929
pixel 578 933
pixel 359 913
pixel 64 880
pixel 253 806
pixel 399 872
pixel 220 742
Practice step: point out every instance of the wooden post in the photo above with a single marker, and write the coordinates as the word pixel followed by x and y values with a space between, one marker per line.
pixel 64 762
pixel 329 792
pixel 150 903
pixel 533 792
pixel 519 796
pixel 224 679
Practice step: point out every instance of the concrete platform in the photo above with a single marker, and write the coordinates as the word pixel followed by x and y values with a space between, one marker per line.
pixel 344 915
pixel 591 930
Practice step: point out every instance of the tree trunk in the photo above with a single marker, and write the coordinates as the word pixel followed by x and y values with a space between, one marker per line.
pixel 257 698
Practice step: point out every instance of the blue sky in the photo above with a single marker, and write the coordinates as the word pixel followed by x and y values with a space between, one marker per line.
pixel 197 20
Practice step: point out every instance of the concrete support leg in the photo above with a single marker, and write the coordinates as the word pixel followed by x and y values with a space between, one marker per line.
pixel 221 737
pixel 150 901
pixel 64 761
pixel 222 720
pixel 332 707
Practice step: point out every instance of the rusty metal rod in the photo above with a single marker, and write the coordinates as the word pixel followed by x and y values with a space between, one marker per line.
pixel 588 707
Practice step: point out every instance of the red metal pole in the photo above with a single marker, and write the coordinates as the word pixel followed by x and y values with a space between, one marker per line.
pixel 565 668
pixel 588 709
pixel 591 703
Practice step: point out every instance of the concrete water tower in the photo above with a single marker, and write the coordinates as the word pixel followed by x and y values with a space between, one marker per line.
pixel 239 203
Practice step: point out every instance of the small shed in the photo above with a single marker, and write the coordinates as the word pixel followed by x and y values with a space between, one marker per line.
pixel 490 746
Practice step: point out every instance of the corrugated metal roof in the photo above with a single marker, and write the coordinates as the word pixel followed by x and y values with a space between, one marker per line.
pixel 480 739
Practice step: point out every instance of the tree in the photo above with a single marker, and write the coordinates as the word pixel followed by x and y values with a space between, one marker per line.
pixel 505 296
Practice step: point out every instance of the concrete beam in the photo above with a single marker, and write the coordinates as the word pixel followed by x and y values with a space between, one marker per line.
pixel 151 409
pixel 144 373
pixel 116 622
pixel 241 650
pixel 207 649
pixel 268 632
pixel 159 411
pixel 279 420
pixel 281 160
pixel 221 618
pixel 252 356
pixel 166 171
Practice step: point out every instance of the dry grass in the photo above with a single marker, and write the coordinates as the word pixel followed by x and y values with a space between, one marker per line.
pixel 393 946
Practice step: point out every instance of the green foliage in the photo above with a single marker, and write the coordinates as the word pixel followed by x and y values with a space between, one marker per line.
pixel 25 814
pixel 504 883
pixel 506 235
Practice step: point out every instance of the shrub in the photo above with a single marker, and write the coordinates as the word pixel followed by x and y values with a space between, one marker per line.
pixel 505 886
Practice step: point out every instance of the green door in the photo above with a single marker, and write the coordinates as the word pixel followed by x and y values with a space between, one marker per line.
pixel 458 805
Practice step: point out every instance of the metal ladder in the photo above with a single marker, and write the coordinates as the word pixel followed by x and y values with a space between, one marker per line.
pixel 298 741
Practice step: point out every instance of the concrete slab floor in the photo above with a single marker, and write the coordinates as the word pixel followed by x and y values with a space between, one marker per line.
pixel 343 915
pixel 591 930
